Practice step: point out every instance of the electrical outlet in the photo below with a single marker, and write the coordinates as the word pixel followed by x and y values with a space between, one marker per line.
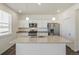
pixel 69 34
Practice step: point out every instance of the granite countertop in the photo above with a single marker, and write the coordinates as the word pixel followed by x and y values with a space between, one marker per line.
pixel 41 39
pixel 28 31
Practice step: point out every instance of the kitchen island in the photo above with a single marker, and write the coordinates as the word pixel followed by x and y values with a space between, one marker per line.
pixel 41 45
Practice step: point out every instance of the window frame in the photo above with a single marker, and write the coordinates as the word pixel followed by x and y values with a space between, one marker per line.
pixel 9 24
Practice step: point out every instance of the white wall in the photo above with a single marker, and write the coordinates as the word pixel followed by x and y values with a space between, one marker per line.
pixel 68 28
pixel 77 28
pixel 41 20
pixel 5 41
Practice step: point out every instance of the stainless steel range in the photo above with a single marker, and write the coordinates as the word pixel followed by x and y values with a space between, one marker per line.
pixel 33 33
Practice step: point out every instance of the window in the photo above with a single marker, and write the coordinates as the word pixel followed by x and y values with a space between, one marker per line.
pixel 5 22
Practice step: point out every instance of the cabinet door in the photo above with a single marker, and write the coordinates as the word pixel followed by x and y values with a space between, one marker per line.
pixel 42 34
pixel 56 29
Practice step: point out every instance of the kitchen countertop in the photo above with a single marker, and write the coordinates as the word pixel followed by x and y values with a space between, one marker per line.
pixel 28 31
pixel 42 39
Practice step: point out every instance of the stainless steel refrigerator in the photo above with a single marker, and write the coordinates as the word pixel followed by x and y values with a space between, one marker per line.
pixel 53 29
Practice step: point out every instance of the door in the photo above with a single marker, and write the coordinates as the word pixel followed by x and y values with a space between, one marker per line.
pixel 53 28
pixel 56 29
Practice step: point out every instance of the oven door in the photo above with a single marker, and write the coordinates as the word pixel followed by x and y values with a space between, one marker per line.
pixel 32 33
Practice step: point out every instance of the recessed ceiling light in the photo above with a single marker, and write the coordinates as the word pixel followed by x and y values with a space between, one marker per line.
pixel 27 18
pixel 20 11
pixel 53 18
pixel 58 11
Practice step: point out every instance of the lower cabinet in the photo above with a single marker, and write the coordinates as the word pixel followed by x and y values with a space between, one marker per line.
pixel 40 49
pixel 42 34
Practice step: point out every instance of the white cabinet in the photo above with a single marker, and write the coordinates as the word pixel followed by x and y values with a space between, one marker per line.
pixel 40 49
pixel 42 31
pixel 42 34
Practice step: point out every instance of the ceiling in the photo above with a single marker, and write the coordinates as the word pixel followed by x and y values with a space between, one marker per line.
pixel 34 8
